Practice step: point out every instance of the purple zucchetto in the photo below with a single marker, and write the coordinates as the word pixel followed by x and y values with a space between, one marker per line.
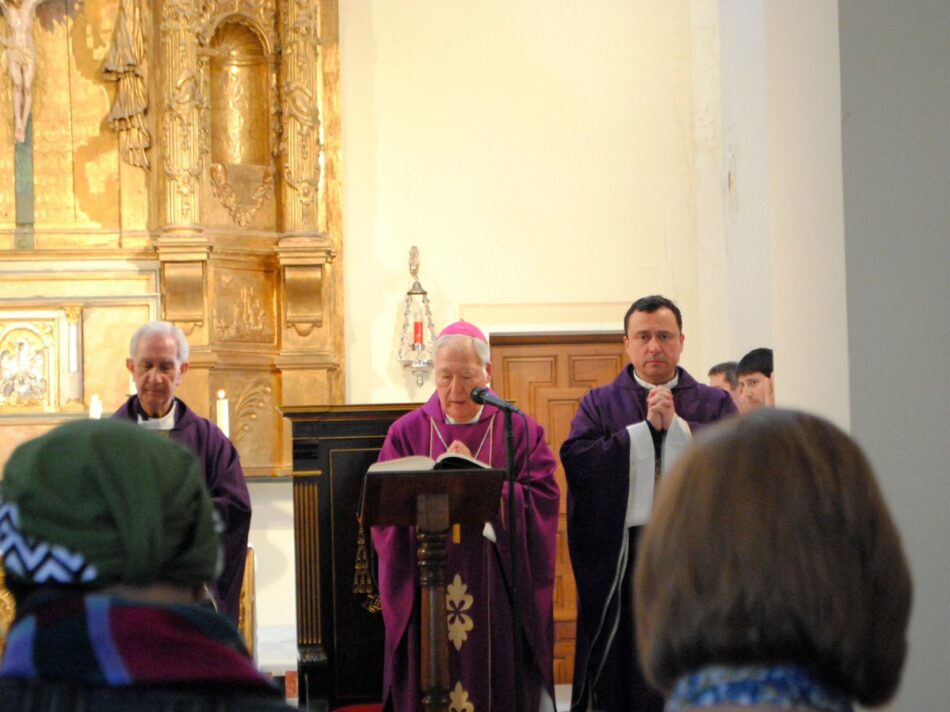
pixel 463 328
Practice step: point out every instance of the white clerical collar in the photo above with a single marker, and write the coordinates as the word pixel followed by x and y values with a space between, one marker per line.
pixel 452 421
pixel 648 386
pixel 166 422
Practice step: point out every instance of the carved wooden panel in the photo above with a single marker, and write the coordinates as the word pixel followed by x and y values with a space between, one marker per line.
pixel 547 375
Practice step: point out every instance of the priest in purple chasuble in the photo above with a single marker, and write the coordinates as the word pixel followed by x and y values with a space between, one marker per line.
pixel 158 359
pixel 478 580
pixel 622 438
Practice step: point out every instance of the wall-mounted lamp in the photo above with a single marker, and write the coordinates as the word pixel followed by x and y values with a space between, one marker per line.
pixel 415 346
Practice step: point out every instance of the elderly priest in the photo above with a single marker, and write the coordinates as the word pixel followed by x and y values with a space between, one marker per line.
pixel 158 359
pixel 481 647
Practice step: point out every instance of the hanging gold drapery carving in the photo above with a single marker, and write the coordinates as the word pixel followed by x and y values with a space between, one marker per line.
pixel 125 65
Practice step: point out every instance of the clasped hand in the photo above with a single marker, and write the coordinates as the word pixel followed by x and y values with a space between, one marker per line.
pixel 660 408
pixel 459 447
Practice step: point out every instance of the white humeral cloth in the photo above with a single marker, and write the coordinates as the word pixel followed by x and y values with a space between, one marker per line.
pixel 643 460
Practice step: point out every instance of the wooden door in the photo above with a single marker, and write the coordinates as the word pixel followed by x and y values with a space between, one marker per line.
pixel 547 375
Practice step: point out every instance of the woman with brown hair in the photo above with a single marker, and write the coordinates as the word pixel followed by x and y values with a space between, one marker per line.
pixel 771 575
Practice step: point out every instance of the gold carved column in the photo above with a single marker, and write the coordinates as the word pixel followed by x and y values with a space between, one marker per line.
pixel 250 226
pixel 311 355
pixel 183 248
pixel 181 104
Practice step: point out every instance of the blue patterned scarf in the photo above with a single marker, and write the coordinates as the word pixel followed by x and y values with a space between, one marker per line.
pixel 782 687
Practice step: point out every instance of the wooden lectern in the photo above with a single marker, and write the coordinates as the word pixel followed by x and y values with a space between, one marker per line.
pixel 432 500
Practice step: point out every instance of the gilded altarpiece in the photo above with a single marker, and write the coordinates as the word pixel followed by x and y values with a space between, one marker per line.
pixel 182 162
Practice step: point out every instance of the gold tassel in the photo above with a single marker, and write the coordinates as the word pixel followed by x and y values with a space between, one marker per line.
pixel 362 580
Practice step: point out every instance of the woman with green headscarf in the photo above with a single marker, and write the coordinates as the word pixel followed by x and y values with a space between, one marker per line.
pixel 108 539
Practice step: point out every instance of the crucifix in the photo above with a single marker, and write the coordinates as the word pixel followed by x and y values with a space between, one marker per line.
pixel 20 58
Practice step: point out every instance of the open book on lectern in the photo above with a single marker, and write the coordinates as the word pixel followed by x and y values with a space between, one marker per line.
pixel 418 463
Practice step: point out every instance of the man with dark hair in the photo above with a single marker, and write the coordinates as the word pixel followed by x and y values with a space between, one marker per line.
pixel 756 383
pixel 624 436
pixel 723 376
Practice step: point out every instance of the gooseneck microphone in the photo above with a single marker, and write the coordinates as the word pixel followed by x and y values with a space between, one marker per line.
pixel 483 396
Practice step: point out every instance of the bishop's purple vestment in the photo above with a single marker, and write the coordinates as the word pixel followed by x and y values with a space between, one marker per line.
pixel 478 601
pixel 227 487
pixel 597 463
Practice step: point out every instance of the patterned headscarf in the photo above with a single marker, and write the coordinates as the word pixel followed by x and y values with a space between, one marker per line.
pixel 98 502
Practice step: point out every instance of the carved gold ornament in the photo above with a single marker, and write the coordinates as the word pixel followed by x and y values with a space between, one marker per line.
pixel 243 121
pixel 251 407
pixel 458 699
pixel 25 368
pixel 7 611
pixel 240 313
pixel 224 192
pixel 125 65
pixel 458 601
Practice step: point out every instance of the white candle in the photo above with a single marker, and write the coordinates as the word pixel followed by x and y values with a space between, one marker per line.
pixel 95 407
pixel 221 414
pixel 132 389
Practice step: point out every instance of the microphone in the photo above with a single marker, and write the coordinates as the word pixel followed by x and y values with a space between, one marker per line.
pixel 483 396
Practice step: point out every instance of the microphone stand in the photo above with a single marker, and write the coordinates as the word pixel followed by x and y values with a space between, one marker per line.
pixel 515 565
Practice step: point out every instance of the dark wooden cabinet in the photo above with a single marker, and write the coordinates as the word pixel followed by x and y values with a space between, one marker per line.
pixel 339 641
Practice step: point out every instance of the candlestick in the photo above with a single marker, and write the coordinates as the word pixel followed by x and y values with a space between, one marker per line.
pixel 222 416
pixel 95 407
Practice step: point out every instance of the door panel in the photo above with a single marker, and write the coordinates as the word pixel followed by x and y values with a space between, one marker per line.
pixel 547 375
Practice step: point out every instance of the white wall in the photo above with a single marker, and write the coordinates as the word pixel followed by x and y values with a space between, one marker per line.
pixel 272 535
pixel 805 207
pixel 746 276
pixel 784 270
pixel 542 155
pixel 896 148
